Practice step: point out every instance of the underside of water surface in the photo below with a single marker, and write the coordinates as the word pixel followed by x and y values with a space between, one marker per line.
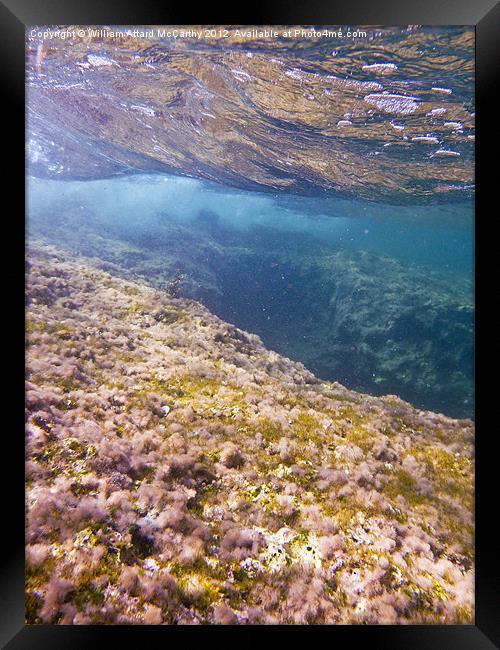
pixel 289 115
pixel 250 327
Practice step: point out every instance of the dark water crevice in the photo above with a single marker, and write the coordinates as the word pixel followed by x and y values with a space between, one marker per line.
pixel 315 315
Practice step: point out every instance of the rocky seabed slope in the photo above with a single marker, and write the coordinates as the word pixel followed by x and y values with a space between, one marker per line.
pixel 179 472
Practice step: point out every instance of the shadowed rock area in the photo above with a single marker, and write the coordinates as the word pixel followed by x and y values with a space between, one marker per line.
pixel 305 116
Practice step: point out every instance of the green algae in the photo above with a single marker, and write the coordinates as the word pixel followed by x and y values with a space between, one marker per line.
pixel 68 384
pixel 79 490
pixel 33 603
pixel 36 578
pixel 306 426
pixel 87 593
pixel 270 430
pixel 130 290
pixel 401 483
pixel 120 430
pixel 361 438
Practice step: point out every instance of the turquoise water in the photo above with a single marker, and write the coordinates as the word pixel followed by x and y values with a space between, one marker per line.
pixel 295 271
pixel 437 237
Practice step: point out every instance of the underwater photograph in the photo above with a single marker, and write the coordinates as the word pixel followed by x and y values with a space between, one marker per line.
pixel 249 325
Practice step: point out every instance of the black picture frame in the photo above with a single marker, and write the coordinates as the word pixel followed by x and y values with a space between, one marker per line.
pixel 15 15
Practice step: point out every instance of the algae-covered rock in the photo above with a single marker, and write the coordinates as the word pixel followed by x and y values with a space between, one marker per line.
pixel 265 496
